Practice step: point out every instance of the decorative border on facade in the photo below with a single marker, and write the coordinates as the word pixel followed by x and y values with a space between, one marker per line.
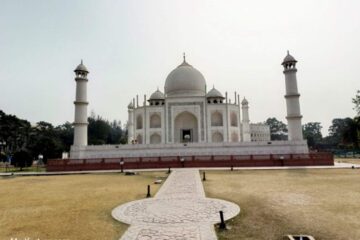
pixel 169 117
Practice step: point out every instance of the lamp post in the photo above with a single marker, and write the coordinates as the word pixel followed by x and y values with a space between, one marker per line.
pixel 3 143
pixel 122 165
pixel 282 160
pixel 182 160
pixel 40 160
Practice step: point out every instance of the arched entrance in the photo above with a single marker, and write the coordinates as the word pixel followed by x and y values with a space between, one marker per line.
pixel 186 128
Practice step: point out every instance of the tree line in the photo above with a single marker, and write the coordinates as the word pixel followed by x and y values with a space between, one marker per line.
pixel 344 133
pixel 21 140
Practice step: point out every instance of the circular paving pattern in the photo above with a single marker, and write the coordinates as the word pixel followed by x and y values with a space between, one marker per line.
pixel 175 211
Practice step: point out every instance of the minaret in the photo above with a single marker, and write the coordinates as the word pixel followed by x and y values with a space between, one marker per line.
pixel 292 99
pixel 130 123
pixel 245 120
pixel 81 103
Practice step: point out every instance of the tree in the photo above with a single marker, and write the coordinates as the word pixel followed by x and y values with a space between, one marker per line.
pixel 66 135
pixel 356 101
pixel 350 135
pixel 45 140
pixel 344 131
pixel 101 131
pixel 14 132
pixel 50 141
pixel 3 157
pixel 116 132
pixel 22 159
pixel 312 133
pixel 278 129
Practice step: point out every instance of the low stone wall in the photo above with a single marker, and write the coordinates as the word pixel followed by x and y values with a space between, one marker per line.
pixel 312 159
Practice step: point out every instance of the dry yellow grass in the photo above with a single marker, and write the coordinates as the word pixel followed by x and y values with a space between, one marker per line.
pixel 348 160
pixel 324 203
pixel 68 207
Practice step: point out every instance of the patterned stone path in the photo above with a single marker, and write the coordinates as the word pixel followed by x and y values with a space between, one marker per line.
pixel 179 211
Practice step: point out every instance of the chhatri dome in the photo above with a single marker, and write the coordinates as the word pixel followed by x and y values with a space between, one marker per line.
pixel 244 101
pixel 185 80
pixel 81 67
pixel 131 105
pixel 214 93
pixel 157 95
pixel 289 58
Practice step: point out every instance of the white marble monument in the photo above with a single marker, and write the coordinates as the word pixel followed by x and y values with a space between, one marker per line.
pixel 187 112
pixel 189 120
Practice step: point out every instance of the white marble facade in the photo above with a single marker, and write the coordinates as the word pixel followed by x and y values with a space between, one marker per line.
pixel 259 132
pixel 188 120
pixel 187 112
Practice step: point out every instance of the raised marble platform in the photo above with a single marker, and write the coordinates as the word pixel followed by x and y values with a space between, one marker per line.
pixel 190 149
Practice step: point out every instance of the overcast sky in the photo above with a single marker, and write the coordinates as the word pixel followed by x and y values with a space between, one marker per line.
pixel 131 46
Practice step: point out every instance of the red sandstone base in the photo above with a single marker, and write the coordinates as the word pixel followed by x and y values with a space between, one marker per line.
pixel 311 159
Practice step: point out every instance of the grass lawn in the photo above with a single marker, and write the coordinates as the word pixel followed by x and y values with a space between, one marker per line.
pixel 324 203
pixel 4 169
pixel 348 160
pixel 68 207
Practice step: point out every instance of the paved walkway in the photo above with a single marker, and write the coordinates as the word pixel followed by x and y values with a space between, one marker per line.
pixel 179 211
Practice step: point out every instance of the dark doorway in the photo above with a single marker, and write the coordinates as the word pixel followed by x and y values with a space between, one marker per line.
pixel 186 135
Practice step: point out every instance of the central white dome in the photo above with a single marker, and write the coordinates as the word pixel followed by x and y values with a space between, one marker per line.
pixel 185 80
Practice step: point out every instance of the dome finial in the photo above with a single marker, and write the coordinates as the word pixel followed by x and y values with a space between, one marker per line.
pixel 81 67
pixel 184 63
pixel 244 101
pixel 288 58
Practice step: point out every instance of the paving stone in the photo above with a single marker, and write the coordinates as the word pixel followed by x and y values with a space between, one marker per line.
pixel 179 211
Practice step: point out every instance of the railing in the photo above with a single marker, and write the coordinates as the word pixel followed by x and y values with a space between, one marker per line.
pixel 272 160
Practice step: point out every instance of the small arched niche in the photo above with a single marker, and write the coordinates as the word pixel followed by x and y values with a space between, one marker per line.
pixel 155 138
pixel 139 122
pixel 233 119
pixel 217 137
pixel 155 121
pixel 216 119
pixel 139 139
pixel 234 137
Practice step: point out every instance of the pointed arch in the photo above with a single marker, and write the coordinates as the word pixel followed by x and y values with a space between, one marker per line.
pixel 216 119
pixel 233 119
pixel 139 122
pixel 155 138
pixel 155 121
pixel 139 139
pixel 234 137
pixel 186 123
pixel 217 137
